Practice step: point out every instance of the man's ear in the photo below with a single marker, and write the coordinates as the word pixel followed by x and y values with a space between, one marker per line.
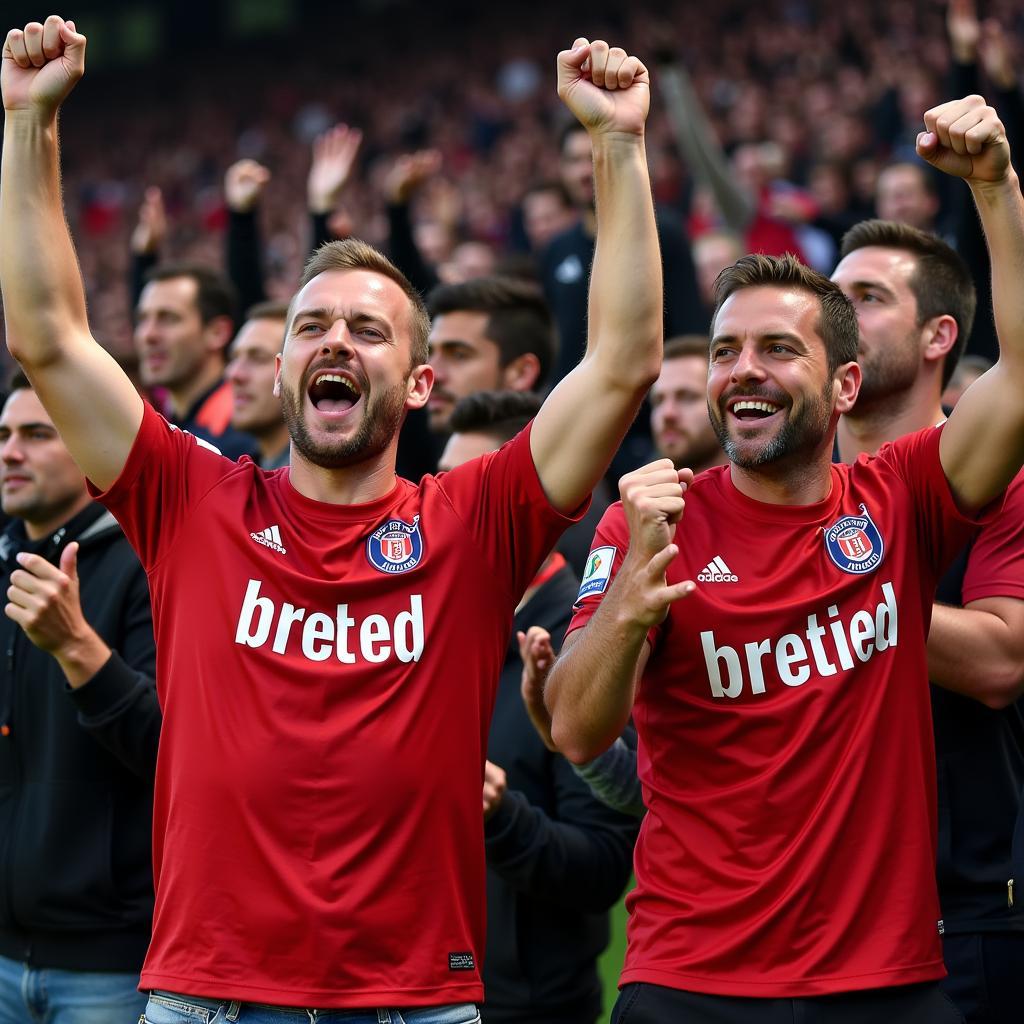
pixel 522 374
pixel 942 333
pixel 218 332
pixel 848 377
pixel 421 382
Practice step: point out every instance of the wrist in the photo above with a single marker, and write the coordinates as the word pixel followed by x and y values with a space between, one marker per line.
pixel 81 657
pixel 30 119
pixel 995 192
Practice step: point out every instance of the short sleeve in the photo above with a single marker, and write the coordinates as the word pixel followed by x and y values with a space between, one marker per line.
pixel 995 566
pixel 607 553
pixel 500 500
pixel 942 528
pixel 167 472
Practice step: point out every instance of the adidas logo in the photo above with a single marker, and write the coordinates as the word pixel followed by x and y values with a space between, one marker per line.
pixel 270 538
pixel 716 571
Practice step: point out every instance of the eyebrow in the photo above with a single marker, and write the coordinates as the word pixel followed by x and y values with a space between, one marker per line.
pixel 22 427
pixel 875 286
pixel 330 314
pixel 723 339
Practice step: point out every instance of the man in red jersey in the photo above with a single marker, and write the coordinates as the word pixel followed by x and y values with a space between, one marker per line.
pixel 329 636
pixel 915 303
pixel 785 867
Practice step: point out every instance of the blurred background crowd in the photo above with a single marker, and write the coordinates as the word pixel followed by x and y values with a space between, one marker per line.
pixel 809 102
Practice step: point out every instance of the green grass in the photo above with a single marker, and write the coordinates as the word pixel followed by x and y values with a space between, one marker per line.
pixel 610 963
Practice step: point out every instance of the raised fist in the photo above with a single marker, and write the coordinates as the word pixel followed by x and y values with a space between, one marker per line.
pixel 244 182
pixel 41 64
pixel 606 88
pixel 966 139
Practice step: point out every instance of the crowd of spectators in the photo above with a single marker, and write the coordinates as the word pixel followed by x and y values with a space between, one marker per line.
pixel 809 100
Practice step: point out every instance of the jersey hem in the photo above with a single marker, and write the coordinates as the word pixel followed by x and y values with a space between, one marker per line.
pixel 795 989
pixel 348 998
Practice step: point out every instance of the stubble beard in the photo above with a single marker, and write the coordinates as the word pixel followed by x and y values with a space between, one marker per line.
pixel 800 433
pixel 381 422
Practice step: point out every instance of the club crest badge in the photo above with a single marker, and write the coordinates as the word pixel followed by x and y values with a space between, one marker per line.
pixel 854 543
pixel 396 546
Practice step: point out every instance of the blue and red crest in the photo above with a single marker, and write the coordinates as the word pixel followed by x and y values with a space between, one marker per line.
pixel 854 543
pixel 397 546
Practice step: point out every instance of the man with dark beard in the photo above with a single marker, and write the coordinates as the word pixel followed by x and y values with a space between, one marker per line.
pixel 329 636
pixel 915 304
pixel 680 425
pixel 785 867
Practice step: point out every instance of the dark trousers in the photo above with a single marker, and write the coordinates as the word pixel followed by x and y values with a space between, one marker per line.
pixel 905 1004
pixel 985 973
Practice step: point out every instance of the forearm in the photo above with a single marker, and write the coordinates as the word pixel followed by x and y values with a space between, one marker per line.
pixel 974 653
pixel 81 657
pixel 579 865
pixel 700 149
pixel 118 707
pixel 1001 209
pixel 591 687
pixel 626 300
pixel 42 286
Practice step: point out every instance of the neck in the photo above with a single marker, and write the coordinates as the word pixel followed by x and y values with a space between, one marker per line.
pixel 588 218
pixel 803 480
pixel 184 396
pixel 272 443
pixel 864 431
pixel 41 528
pixel 352 485
pixel 718 459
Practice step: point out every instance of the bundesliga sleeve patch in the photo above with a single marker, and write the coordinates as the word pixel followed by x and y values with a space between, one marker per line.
pixel 598 573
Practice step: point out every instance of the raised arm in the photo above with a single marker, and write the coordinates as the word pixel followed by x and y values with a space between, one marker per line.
pixel 91 400
pixel 592 686
pixel 982 445
pixel 586 416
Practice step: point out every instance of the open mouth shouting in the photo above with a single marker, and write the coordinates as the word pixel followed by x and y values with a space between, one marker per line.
pixel 333 393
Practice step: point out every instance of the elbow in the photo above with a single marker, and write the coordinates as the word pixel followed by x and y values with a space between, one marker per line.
pixel 1002 685
pixel 574 748
pixel 1000 694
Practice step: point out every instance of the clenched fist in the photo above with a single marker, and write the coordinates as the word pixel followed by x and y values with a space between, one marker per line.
pixel 608 90
pixel 41 64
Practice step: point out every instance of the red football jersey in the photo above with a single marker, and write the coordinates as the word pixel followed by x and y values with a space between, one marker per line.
pixel 327 674
pixel 786 749
pixel 995 567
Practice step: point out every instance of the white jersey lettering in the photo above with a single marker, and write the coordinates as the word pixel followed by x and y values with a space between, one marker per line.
pixel 798 656
pixel 323 635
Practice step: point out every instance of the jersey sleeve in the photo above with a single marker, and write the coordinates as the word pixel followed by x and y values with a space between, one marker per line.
pixel 167 472
pixel 500 500
pixel 611 542
pixel 942 528
pixel 995 566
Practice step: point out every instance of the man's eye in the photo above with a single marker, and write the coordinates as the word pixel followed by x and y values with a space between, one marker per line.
pixel 372 332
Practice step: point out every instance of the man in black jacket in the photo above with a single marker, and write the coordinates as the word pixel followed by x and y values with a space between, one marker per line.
pixel 557 858
pixel 79 724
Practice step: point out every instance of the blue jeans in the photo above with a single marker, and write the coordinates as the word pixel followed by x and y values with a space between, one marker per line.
pixel 171 1008
pixel 48 996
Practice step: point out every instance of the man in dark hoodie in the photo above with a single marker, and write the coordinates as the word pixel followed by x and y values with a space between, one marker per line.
pixel 557 858
pixel 79 724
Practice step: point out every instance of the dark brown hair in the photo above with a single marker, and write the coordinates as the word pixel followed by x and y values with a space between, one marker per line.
pixel 941 282
pixel 837 324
